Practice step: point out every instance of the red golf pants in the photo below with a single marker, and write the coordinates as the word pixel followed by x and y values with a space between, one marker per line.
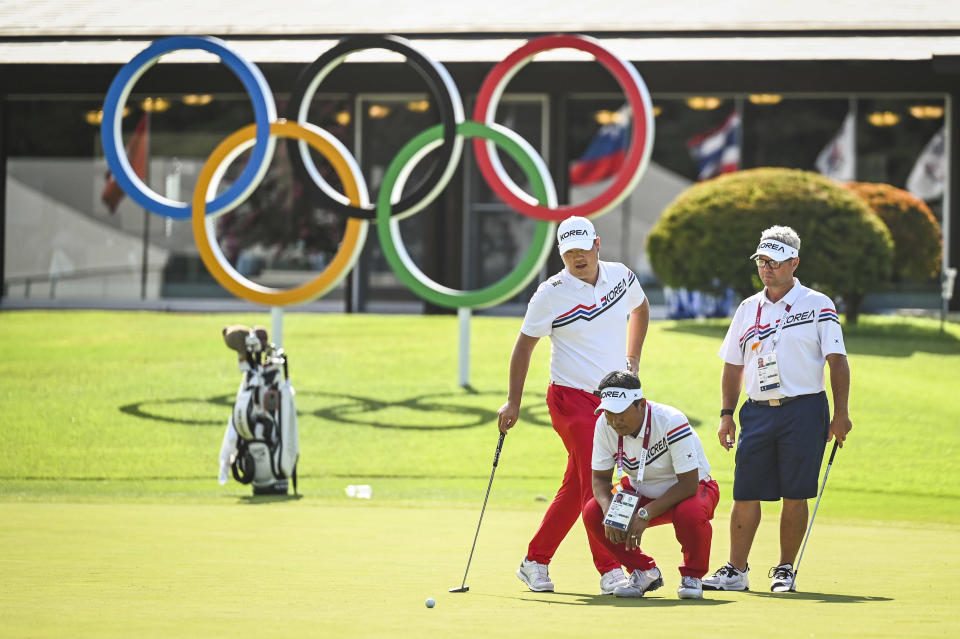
pixel 691 525
pixel 571 411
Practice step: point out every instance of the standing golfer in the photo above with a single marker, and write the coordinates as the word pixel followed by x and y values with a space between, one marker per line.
pixel 595 313
pixel 654 446
pixel 780 339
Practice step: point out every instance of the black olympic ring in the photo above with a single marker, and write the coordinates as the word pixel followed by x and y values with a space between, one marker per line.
pixel 445 95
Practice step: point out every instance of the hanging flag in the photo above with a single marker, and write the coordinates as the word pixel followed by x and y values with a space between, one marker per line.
pixel 837 160
pixel 604 155
pixel 137 154
pixel 927 176
pixel 718 150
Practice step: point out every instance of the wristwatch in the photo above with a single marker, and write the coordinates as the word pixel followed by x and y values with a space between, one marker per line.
pixel 726 411
pixel 643 514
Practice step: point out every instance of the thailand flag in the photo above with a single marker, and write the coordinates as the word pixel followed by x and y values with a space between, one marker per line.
pixel 604 156
pixel 717 151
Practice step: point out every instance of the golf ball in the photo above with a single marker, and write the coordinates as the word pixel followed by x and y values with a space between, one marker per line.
pixel 430 602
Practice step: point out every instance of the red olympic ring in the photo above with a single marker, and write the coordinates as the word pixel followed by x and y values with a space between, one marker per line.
pixel 634 164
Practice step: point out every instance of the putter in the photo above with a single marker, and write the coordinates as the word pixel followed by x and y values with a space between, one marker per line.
pixel 796 571
pixel 496 458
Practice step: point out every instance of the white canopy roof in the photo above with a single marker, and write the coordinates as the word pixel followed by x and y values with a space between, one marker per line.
pixel 488 50
pixel 112 31
pixel 120 18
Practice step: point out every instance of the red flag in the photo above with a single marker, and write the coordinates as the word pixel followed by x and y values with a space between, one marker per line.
pixel 137 154
pixel 604 156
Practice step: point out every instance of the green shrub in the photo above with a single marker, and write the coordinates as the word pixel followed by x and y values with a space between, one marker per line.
pixel 917 244
pixel 704 238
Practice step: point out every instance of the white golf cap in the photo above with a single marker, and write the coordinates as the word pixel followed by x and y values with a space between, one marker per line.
pixel 775 250
pixel 575 233
pixel 617 400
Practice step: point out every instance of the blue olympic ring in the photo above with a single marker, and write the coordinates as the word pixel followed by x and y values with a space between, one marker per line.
pixel 264 110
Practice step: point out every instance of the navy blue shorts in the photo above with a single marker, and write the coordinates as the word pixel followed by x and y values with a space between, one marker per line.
pixel 781 449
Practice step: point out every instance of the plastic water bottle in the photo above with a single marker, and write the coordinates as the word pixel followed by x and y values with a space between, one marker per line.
pixel 362 491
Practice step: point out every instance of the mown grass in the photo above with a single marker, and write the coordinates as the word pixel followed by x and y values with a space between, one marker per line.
pixel 132 406
pixel 114 524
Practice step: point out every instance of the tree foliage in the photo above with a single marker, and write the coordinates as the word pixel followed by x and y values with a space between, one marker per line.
pixel 917 243
pixel 704 238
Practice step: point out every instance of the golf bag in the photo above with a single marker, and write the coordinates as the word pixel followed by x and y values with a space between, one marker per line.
pixel 261 445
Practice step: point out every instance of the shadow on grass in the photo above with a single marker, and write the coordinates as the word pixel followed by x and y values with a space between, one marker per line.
pixel 657 600
pixel 357 409
pixel 878 337
pixel 255 500
pixel 899 339
pixel 137 409
pixel 351 409
pixel 822 597
pixel 580 599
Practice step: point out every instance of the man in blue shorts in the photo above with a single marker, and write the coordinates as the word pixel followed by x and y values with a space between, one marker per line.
pixel 778 342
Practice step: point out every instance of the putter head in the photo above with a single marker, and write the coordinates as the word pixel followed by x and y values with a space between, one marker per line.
pixel 460 589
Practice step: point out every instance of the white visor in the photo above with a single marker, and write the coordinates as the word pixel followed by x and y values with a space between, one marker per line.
pixel 617 400
pixel 775 250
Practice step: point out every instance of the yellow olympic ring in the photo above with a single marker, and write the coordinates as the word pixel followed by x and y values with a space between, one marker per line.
pixel 203 233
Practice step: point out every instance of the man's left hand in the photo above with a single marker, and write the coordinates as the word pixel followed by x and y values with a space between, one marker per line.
pixel 635 532
pixel 840 425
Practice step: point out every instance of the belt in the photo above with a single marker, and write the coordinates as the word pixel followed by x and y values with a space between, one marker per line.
pixel 774 402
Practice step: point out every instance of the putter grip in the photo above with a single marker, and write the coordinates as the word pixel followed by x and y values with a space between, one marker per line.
pixel 496 456
pixel 833 452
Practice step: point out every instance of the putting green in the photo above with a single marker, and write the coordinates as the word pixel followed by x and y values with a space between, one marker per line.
pixel 112 524
pixel 312 567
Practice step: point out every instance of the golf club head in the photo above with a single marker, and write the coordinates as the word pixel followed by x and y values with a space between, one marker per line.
pixel 460 589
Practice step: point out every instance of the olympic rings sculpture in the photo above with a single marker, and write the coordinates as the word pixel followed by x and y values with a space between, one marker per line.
pixel 391 205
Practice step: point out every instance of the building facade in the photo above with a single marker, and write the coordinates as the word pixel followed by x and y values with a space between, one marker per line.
pixel 775 90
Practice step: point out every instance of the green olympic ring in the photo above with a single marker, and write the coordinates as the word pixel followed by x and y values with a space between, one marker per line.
pixel 388 228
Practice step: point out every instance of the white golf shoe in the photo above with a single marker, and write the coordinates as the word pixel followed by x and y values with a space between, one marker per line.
pixel 728 578
pixel 611 579
pixel 640 583
pixel 690 588
pixel 535 575
pixel 784 579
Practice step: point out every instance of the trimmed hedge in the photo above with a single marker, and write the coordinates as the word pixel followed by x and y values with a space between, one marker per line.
pixel 705 237
pixel 917 243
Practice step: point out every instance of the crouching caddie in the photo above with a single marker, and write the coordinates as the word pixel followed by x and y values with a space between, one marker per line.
pixel 662 477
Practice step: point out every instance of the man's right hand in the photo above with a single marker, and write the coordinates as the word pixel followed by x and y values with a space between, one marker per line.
pixel 507 416
pixel 727 432
pixel 615 535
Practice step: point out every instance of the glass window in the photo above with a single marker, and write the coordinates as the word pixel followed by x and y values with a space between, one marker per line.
pixel 495 236
pixel 89 240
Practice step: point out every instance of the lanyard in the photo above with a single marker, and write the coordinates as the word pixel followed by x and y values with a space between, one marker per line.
pixel 776 334
pixel 643 453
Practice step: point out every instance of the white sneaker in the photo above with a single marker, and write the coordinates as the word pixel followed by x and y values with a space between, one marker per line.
pixel 611 580
pixel 784 579
pixel 690 588
pixel 536 576
pixel 728 578
pixel 641 582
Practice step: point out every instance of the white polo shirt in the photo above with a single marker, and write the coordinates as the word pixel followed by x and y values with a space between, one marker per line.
pixel 810 332
pixel 587 324
pixel 674 448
